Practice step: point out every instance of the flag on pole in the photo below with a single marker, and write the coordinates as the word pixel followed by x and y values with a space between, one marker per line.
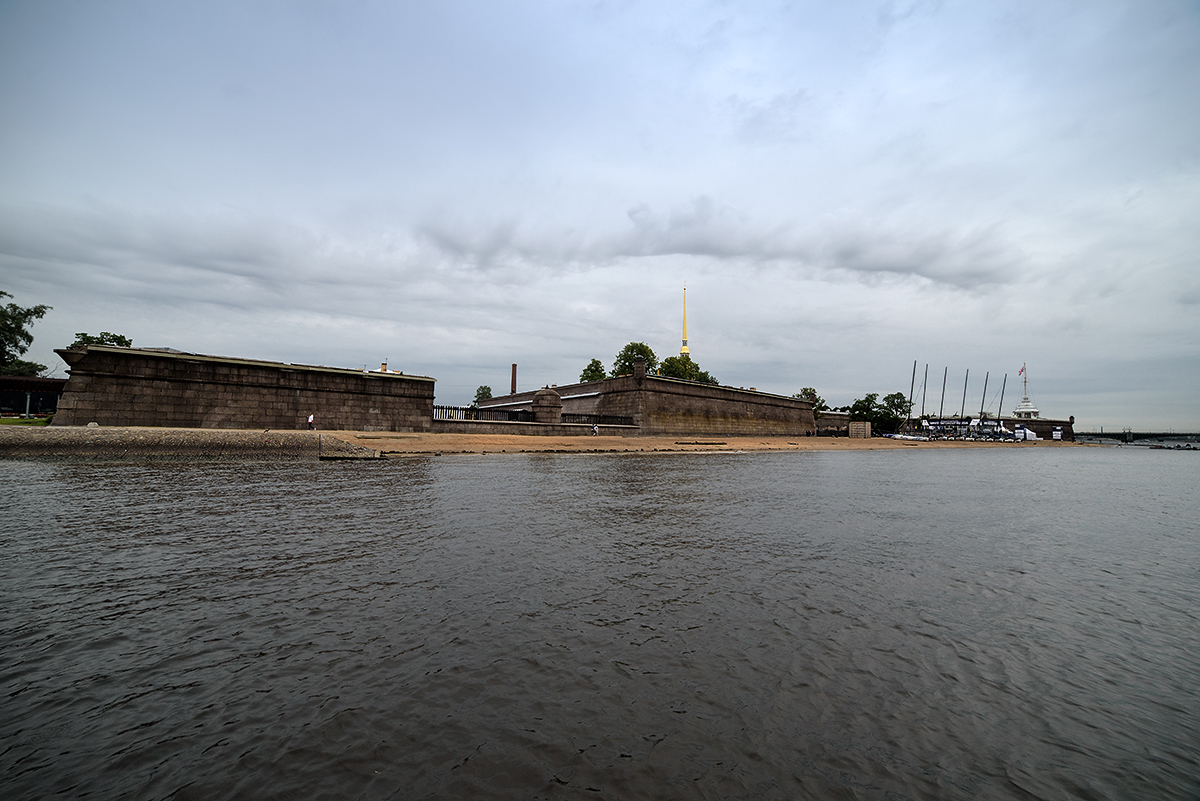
pixel 1022 370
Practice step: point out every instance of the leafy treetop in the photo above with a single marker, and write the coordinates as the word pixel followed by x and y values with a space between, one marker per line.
pixel 481 394
pixel 628 355
pixel 15 338
pixel 103 338
pixel 885 417
pixel 818 403
pixel 683 367
pixel 593 372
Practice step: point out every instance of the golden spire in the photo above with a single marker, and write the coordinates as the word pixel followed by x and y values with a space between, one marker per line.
pixel 684 350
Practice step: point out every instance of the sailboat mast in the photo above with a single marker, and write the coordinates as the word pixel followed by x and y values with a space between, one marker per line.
pixel 983 400
pixel 963 410
pixel 912 385
pixel 924 387
pixel 942 405
pixel 1000 411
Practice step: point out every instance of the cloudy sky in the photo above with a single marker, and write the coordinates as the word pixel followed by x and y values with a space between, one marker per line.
pixel 845 188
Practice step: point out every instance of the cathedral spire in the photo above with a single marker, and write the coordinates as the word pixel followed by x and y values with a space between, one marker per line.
pixel 684 350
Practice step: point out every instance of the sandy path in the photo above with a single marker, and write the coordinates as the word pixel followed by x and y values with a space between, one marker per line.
pixel 182 444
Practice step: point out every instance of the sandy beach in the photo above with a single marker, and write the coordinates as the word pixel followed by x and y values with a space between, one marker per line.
pixel 178 444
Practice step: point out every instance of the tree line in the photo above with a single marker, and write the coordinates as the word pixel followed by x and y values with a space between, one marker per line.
pixel 15 338
pixel 886 416
pixel 680 366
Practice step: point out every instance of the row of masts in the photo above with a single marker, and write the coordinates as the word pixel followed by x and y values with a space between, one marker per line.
pixel 962 410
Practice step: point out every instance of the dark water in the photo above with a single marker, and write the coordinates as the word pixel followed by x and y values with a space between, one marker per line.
pixel 915 624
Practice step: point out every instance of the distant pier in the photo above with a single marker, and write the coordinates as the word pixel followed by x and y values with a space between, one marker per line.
pixel 1129 435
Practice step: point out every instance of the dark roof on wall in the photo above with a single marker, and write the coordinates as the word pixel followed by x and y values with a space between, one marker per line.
pixel 30 383
pixel 72 355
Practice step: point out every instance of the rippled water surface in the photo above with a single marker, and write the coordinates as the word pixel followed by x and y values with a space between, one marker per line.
pixel 915 624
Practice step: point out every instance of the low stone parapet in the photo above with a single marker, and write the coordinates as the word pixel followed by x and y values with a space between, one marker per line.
pixel 529 429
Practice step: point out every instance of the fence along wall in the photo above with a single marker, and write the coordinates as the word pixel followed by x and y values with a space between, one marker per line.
pixel 144 387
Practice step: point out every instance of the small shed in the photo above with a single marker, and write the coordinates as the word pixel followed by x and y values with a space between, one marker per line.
pixel 27 394
pixel 860 429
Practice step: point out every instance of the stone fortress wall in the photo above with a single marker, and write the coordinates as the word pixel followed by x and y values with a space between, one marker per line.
pixel 670 406
pixel 145 387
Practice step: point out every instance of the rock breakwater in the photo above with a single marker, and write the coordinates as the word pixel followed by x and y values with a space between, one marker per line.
pixel 173 444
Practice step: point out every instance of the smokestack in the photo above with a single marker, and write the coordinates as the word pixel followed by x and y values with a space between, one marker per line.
pixel 514 381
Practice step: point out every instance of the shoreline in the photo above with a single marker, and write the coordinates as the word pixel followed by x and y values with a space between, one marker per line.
pixel 414 443
pixel 147 444
pixel 153 444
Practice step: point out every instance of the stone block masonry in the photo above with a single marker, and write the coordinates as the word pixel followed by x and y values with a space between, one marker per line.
pixel 146 387
pixel 669 406
pixel 530 429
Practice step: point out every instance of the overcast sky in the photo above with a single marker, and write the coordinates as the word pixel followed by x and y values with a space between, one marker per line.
pixel 456 186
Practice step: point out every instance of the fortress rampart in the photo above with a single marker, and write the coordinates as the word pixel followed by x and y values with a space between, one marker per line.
pixel 145 387
pixel 670 406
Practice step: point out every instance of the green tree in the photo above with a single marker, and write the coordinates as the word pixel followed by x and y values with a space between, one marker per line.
pixel 481 394
pixel 897 405
pixel 15 338
pixel 628 355
pixel 683 367
pixel 818 403
pixel 887 416
pixel 593 372
pixel 865 408
pixel 103 338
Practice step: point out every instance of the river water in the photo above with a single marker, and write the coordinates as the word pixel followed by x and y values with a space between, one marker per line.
pixel 1009 624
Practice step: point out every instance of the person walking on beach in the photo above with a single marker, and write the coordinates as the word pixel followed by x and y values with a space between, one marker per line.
pixel 595 430
pixel 310 422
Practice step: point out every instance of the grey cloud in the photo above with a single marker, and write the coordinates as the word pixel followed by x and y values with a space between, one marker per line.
pixel 971 259
pixel 894 12
pixel 120 240
pixel 510 252
pixel 702 228
pixel 488 248
pixel 1188 295
pixel 782 116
